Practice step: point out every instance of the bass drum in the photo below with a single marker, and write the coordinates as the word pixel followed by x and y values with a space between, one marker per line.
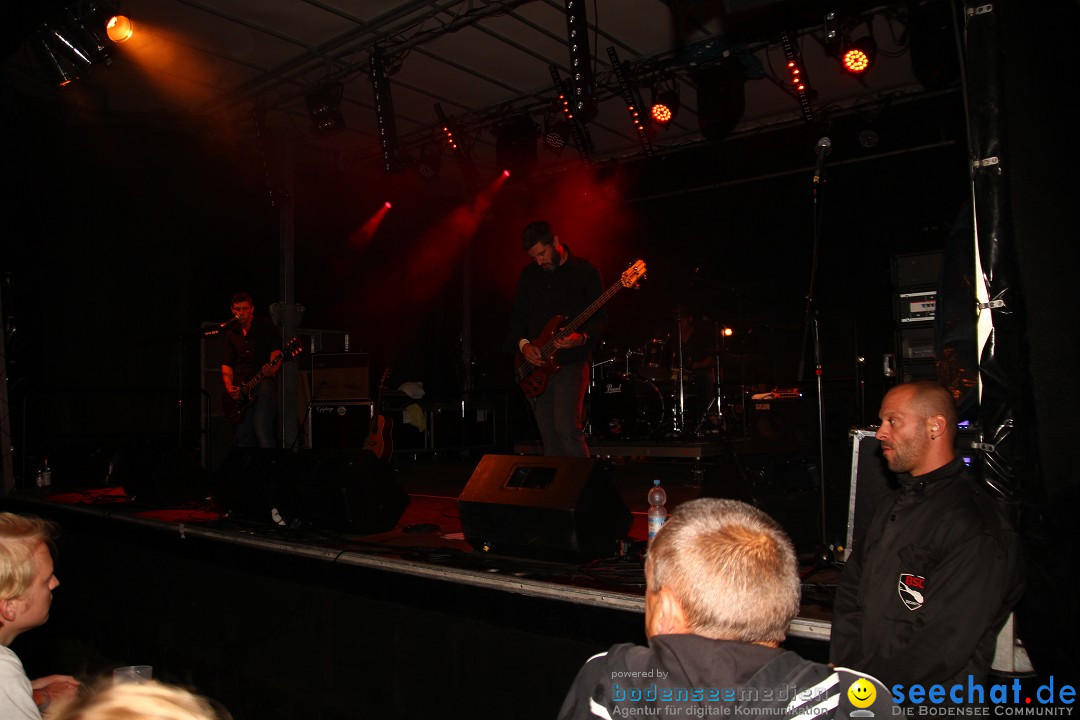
pixel 625 408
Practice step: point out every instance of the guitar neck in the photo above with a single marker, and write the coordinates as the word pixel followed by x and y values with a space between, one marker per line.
pixel 585 314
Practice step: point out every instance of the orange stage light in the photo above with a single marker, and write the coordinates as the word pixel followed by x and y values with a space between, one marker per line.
pixel 119 28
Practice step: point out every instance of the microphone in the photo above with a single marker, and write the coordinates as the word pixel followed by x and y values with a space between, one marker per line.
pixel 823 146
pixel 231 321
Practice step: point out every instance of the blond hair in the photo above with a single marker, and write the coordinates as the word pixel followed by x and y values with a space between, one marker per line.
pixel 20 536
pixel 139 701
pixel 732 568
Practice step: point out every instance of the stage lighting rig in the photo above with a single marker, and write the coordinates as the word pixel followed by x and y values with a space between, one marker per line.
pixel 324 106
pixel 797 75
pixel 384 114
pixel 630 97
pixel 464 161
pixel 582 82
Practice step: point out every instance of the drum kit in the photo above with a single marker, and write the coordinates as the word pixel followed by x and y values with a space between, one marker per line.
pixel 646 392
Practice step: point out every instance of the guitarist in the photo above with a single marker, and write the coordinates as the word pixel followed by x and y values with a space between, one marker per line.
pixel 557 282
pixel 252 344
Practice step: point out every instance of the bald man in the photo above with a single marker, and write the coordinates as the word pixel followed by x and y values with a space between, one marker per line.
pixel 926 591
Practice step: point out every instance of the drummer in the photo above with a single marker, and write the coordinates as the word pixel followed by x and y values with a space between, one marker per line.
pixel 697 350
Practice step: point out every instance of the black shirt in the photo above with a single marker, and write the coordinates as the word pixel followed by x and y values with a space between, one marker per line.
pixel 567 290
pixel 246 354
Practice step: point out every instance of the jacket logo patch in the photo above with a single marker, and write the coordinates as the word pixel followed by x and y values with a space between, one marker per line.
pixel 911 589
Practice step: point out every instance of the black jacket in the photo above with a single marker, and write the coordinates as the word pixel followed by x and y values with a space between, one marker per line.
pixel 925 593
pixel 693 676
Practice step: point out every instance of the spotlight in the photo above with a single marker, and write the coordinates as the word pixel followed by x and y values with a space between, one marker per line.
pixel 556 135
pixel 859 56
pixel 665 104
pixel 119 28
pixel 324 105
pixel 430 160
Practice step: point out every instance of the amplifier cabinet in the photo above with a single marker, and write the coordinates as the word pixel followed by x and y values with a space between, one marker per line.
pixel 340 425
pixel 340 376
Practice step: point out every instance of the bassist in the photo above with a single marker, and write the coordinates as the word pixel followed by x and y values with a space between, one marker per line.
pixel 557 282
pixel 252 344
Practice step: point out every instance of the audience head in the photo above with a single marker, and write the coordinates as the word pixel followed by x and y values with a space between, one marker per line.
pixel 724 570
pixel 26 573
pixel 139 701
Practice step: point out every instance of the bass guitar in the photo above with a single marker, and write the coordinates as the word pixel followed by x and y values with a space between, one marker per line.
pixel 533 379
pixel 380 441
pixel 236 409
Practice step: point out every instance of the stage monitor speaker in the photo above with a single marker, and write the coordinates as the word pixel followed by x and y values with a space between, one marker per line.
pixel 158 472
pixel 556 508
pixel 346 492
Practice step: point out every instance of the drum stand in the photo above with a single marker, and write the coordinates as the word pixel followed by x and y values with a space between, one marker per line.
pixel 717 399
pixel 679 410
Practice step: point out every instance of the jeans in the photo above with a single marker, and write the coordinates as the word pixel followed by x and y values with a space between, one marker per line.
pixel 558 411
pixel 257 428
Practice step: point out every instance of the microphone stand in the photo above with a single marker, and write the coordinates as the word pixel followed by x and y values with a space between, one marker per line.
pixel 826 552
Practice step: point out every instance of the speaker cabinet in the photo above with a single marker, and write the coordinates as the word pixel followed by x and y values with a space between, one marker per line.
pixel 555 508
pixel 158 472
pixel 340 376
pixel 340 425
pixel 349 492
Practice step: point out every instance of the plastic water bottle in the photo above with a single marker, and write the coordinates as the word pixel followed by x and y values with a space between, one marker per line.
pixel 657 509
pixel 44 474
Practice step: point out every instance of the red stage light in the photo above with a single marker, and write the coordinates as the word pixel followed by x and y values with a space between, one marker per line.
pixel 661 113
pixel 856 61
pixel 859 56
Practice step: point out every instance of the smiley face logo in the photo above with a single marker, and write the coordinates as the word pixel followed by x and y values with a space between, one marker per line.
pixel 862 693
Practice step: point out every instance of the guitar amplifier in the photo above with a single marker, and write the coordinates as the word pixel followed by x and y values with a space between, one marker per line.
pixel 337 377
pixel 340 425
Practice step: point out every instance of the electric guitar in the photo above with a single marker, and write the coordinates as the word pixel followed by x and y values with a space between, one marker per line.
pixel 235 410
pixel 533 379
pixel 379 440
